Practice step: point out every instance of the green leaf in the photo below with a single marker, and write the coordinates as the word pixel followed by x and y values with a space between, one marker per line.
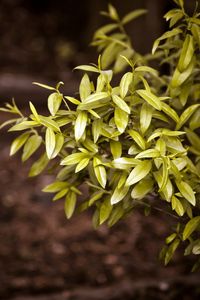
pixel 50 142
pixel 142 188
pixel 96 196
pixel 186 53
pixel 119 194
pixel 104 30
pixel 113 12
pixel 105 211
pixel 190 227
pixel 19 142
pixel 39 166
pixel 23 125
pixel 167 191
pixel 48 122
pixel 32 107
pixel 54 102
pixel 166 35
pixel 177 206
pixel 170 112
pixel 60 194
pixel 72 100
pixel 170 251
pixel 55 186
pixel 152 99
pixel 100 171
pixel 124 163
pixel 146 69
pixel 95 100
pixel 31 145
pixel 74 158
pixel 125 83
pixel 47 87
pixel 165 174
pixel 149 153
pixel 193 138
pixel 96 129
pixel 82 164
pixel 179 78
pixel 59 141
pixel 170 238
pixel 70 204
pixel 87 68
pixel 145 117
pixel 116 149
pixel 121 119
pixel 109 54
pixel 85 87
pixel 186 115
pixel 137 138
pixel 195 120
pixel 186 191
pixel 80 125
pixel 121 103
pixel 133 15
pixel 139 172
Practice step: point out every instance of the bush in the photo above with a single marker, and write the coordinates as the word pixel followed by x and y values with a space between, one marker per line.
pixel 130 144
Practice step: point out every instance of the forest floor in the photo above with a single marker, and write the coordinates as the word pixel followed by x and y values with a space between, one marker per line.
pixel 44 256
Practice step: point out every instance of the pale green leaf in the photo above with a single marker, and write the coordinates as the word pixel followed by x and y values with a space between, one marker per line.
pixel 133 15
pixel 54 102
pixel 50 142
pixel 100 171
pixel 80 125
pixel 152 99
pixel 119 194
pixel 121 119
pixel 85 87
pixel 121 103
pixel 137 138
pixel 19 142
pixel 190 227
pixel 186 115
pixel 142 188
pixel 125 83
pixel 186 53
pixel 186 191
pixel 139 172
pixel 70 204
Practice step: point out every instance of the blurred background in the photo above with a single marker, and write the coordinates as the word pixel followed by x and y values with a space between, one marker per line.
pixel 42 255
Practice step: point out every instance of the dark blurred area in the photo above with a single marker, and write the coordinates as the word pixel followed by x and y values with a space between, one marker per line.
pixel 45 40
pixel 42 255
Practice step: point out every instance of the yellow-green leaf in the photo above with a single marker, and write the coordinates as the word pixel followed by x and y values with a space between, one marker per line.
pixel 100 171
pixel 186 191
pixel 70 204
pixel 54 102
pixel 125 83
pixel 152 99
pixel 137 138
pixel 80 125
pixel 121 103
pixel 190 227
pixel 121 119
pixel 142 188
pixel 50 142
pixel 19 142
pixel 31 145
pixel 139 172
pixel 186 53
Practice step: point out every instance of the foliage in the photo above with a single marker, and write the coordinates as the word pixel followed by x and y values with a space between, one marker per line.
pixel 131 144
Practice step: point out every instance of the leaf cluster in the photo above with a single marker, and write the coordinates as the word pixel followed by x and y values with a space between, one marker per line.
pixel 131 144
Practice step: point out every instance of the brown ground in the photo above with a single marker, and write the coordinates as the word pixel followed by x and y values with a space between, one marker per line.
pixel 44 256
